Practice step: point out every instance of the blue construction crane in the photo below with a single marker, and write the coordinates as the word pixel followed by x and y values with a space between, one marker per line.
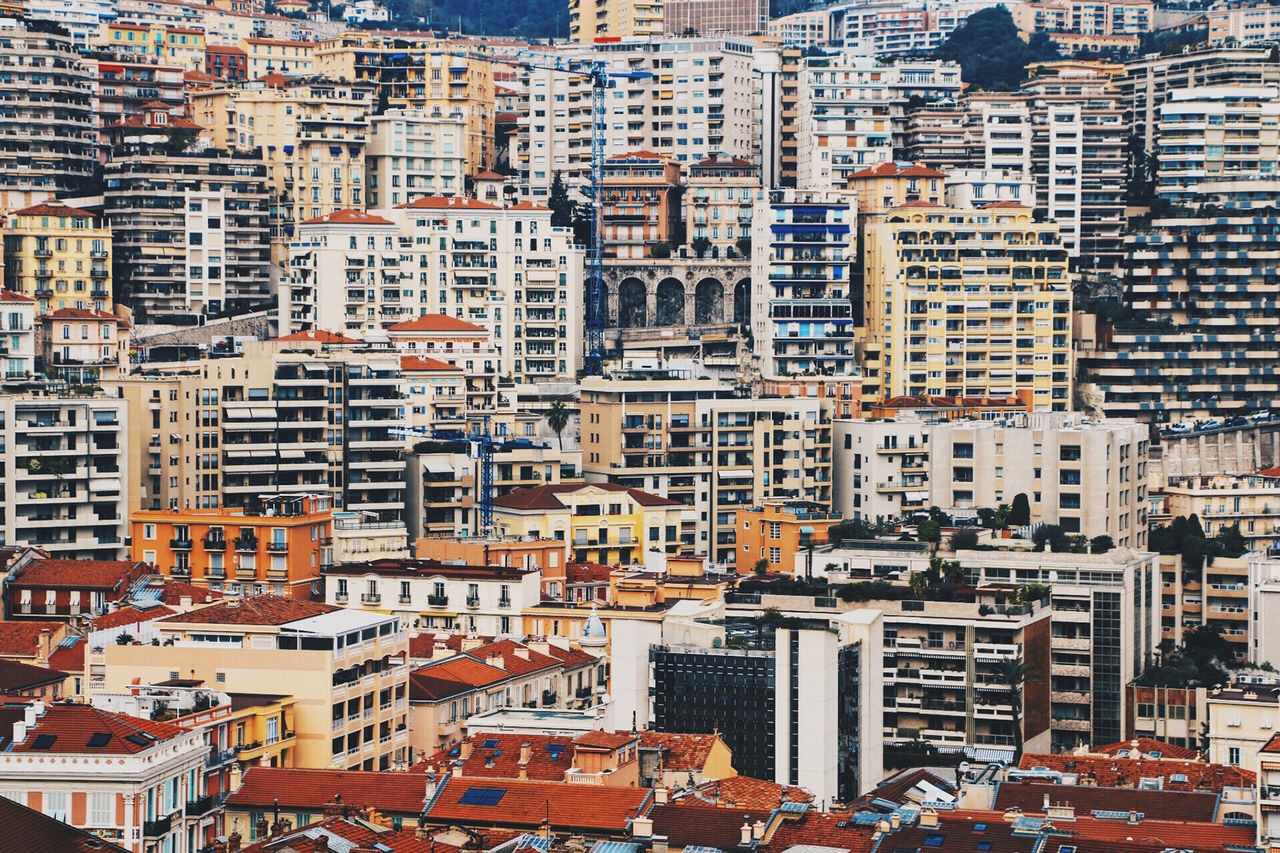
pixel 601 79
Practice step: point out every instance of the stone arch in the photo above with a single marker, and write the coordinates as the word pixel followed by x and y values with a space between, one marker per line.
pixel 670 307
pixel 742 302
pixel 632 308
pixel 708 302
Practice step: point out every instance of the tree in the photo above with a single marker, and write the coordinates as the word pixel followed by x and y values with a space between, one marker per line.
pixel 1101 544
pixel 853 529
pixel 771 619
pixel 991 52
pixel 558 418
pixel 994 519
pixel 940 517
pixel 1074 544
pixel 1020 512
pixel 1231 542
pixel 1013 673
pixel 562 208
pixel 762 566
pixel 700 246
pixel 929 530
pixel 1049 537
pixel 964 539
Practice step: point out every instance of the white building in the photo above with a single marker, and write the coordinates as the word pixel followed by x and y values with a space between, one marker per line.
pixel 553 132
pixel 1264 605
pixel 485 600
pixel 968 188
pixel 17 335
pixel 124 779
pixel 83 19
pixel 412 153
pixel 66 474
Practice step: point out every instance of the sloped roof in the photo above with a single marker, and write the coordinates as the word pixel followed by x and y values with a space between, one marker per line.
pixel 489 175
pixel 545 497
pixel 21 638
pixel 11 296
pixel 298 788
pixel 80 314
pixel 436 323
pixel 897 170
pixel 355 834
pixel 129 616
pixel 72 727
pixel 680 752
pixel 413 362
pixel 347 216
pixel 1119 771
pixel 512 803
pixel 78 574
pixel 318 336
pixel 51 209
pixel 597 739
pixel 26 829
pixel 446 202
pixel 257 610
pixel 745 792
pixel 528 205
pixel 451 677
pixel 1085 799
pixel 16 677
pixel 1147 746
pixel 496 755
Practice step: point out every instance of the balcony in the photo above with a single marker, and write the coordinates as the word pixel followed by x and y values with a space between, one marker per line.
pixel 202 806
pixel 504 601
pixel 340 598
pixel 247 543
pixel 278 547
pixel 214 543
pixel 406 599
pixel 183 543
pixel 548 698
pixel 438 600
pixel 157 828
pixel 473 601
pixel 217 758
pixel 371 598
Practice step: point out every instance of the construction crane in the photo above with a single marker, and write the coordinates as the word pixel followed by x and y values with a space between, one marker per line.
pixel 602 79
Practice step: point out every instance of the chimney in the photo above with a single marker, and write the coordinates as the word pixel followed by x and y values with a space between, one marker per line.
pixel 1046 804
pixel 660 795
pixel 431 787
pixel 457 770
pixel 659 844
pixel 46 643
pixel 522 652
pixel 185 603
pixel 745 840
pixel 929 818
pixel 233 843
pixel 526 752
pixel 642 827
pixel 757 830
pixel 895 820
pixel 464 749
pixel 19 731
pixel 321 843
pixel 1134 817
pixel 523 775
pixel 1061 811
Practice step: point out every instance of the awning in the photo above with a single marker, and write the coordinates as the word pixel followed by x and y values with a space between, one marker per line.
pixel 235 414
pixel 437 466
pixel 269 414
pixel 807 531
pixel 293 453
pixel 314 367
pixel 735 475
pixel 384 364
pixel 111 485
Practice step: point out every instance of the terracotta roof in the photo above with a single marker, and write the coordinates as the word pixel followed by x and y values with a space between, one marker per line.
pixel 78 574
pixel 452 677
pixel 680 752
pixel 446 202
pixel 571 658
pixel 587 572
pixel 26 829
pixel 544 497
pixel 143 122
pixel 1273 745
pixel 528 205
pixel 172 592
pixel 597 739
pixel 744 792
pixel 895 170
pixel 712 162
pixel 825 829
pixel 1147 746
pixel 16 677
pixel 413 362
pixel 79 314
pixel 496 755
pixel 520 804
pixel 320 837
pixel 489 175
pixel 69 655
pixel 1002 205
pixel 895 788
pixel 199 77
pixel 347 216
pixel 423 645
pixel 698 823
pixel 516 658
pixel 636 155
pixel 436 323
pixel 920 203
pixel 1269 472
pixel 54 208
pixel 318 336
pixel 1158 805
pixel 258 610
pixel 10 296
pixel 1118 771
pixel 22 638
pixel 73 726
pixel 297 788
pixel 129 616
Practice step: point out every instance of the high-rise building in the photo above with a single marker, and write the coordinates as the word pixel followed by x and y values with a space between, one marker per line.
pixel 59 256
pixel 719 198
pixel 51 147
pixel 1217 136
pixel 189 232
pixel 966 302
pixel 715 17
pixel 640 204
pixel 414 153
pixel 803 247
pixel 614 19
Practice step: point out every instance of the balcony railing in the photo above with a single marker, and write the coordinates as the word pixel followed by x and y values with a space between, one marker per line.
pixel 202 806
pixel 157 828
pixel 371 598
pixel 438 600
pixel 473 601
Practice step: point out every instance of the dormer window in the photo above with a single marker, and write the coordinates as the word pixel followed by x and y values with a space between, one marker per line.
pixel 160 118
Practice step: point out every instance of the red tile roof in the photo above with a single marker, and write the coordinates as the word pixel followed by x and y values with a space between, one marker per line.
pixel 172 592
pixel 485 762
pixel 1159 805
pixel 920 203
pixel 571 658
pixel 424 645
pixel 258 610
pixel 597 739
pixel 318 837
pixel 71 727
pixel 689 822
pixel 514 657
pixel 297 788
pixel 447 202
pixel 1117 771
pixel 897 170
pixel 27 830
pixel 17 677
pixel 680 752
pixel 436 323
pixel 1148 747
pixel 22 638
pixel 528 205
pixel 489 175
pixel 78 574
pixel 711 162
pixel 587 572
pixel 69 658
pixel 129 616
pixel 145 122
pixel 51 209
pixel 544 497
pixel 413 362
pixel 744 792
pixel 347 216
pixel 520 804
pixel 318 336
pixel 452 677
pixel 79 314
pixel 895 788
pixel 10 296
pixel 1003 205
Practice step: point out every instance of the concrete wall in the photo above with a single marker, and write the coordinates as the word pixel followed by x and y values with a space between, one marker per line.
pixel 1239 450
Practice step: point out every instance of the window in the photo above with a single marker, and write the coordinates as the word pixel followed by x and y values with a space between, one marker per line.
pixel 102 810
pixel 57 805
pixel 1233 756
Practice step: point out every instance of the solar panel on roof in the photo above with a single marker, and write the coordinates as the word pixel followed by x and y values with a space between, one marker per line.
pixel 793 808
pixel 489 744
pixel 615 847
pixel 138 739
pixel 497 753
pixel 481 796
pixel 43 741
pixel 99 739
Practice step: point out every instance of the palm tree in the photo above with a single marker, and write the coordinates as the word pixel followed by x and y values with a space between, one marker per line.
pixel 1013 673
pixel 558 419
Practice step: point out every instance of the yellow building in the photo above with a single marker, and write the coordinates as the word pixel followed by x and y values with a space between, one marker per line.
pixel 1248 503
pixel 972 302
pixel 277 56
pixel 59 256
pixel 598 522
pixel 171 45
pixel 594 19
pixel 415 72
pixel 887 185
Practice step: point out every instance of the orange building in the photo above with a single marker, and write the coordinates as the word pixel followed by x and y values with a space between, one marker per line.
pixel 641 204
pixel 281 551
pixel 776 530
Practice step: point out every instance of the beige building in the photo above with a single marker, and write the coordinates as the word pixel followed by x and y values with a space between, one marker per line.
pixel 1242 719
pixel 1215 134
pixel 264 56
pixel 414 153
pixel 59 256
pixel 614 19
pixel 347 671
pixel 1086 17
pixel 719 197
pixel 1249 503
pixel 1218 595
pixel 967 302
pixel 694 441
pixel 83 345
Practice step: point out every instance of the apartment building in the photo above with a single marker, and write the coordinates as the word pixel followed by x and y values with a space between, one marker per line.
pixel 160 42
pixel 64 481
pixel 1242 24
pixel 66 589
pixel 641 204
pixel 418 73
pixel 126 84
pixel 128 780
pixel 967 302
pixel 462 345
pixel 978 187
pixel 1251 504
pixel 711 17
pixel 282 550
pixel 414 153
pixel 17 336
pixel 1088 477
pixel 49 115
pixel 694 441
pixel 285 418
pixel 1269 794
pixel 59 256
pixel 83 19
pixel 779 70
pixel 1214 135
pixel 776 532
pixel 1186 274
pixel 1218 594
pixel 804 246
pixel 342 667
pixel 226 62
pixel 266 56
pixel 982 130
pixel 189 232
pixel 802 29
pixel 815 724
pixel 852 111
pixel 476 599
pixel 615 19
pixel 83 346
pixel 1241 722
pixel 719 199
pixel 553 132
pixel 1105 625
pixel 1087 17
